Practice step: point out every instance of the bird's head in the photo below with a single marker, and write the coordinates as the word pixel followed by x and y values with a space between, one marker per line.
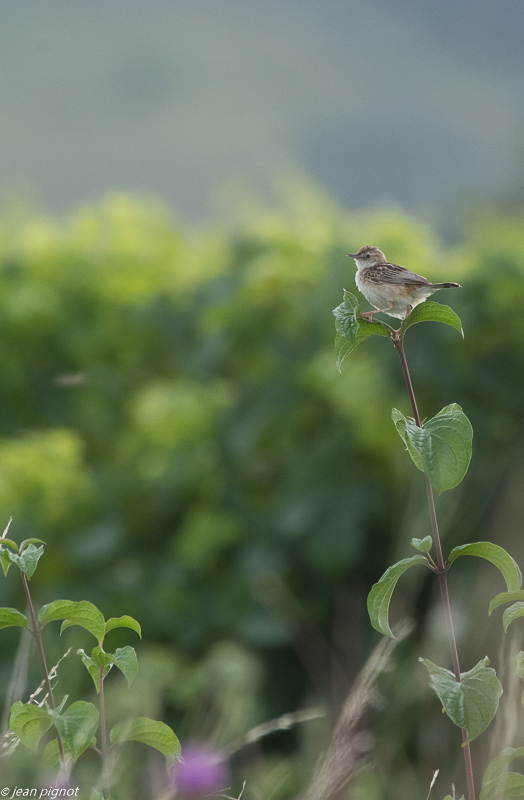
pixel 368 256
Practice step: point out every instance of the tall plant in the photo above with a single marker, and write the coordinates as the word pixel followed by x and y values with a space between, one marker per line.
pixel 441 447
pixel 71 729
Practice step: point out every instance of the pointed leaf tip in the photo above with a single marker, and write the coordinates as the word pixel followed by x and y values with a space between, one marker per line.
pixel 123 622
pixel 497 556
pixel 512 613
pixel 505 597
pixel 381 592
pixel 432 312
pixel 148 731
pixel 12 617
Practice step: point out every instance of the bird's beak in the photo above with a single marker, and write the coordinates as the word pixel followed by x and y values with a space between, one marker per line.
pixel 352 255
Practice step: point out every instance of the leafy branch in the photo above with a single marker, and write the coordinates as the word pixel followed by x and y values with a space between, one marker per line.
pixel 441 448
pixel 76 726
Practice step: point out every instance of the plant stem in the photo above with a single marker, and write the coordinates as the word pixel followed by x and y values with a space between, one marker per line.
pixel 442 568
pixel 36 631
pixel 103 733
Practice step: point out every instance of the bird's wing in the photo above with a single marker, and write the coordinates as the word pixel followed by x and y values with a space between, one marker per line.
pixel 394 273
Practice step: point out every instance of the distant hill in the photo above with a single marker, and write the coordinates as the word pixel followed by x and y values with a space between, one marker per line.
pixel 411 102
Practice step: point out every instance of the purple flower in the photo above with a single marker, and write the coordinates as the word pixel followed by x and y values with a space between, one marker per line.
pixel 201 772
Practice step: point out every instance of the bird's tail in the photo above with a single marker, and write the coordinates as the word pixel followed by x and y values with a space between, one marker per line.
pixel 447 286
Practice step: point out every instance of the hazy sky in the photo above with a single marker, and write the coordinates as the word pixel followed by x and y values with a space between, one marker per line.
pixel 410 101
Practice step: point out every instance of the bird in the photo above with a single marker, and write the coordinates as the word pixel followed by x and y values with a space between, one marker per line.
pixel 390 288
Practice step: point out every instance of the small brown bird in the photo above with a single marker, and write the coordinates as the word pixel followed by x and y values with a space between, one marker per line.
pixel 392 289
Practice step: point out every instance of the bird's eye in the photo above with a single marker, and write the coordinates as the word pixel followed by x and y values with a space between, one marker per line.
pixel 367 255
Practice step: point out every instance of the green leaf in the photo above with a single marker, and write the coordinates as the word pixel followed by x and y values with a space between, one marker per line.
pixel 51 755
pixel 423 545
pixel 125 659
pixel 28 560
pixel 513 786
pixel 498 783
pixel 505 597
pixel 80 613
pixel 11 616
pixel 77 726
pixel 94 669
pixel 5 560
pixel 441 448
pixel 123 622
pixel 29 722
pixel 100 658
pixel 351 330
pixel 27 542
pixel 497 556
pixel 470 704
pixel 513 612
pixel 520 665
pixel 148 731
pixel 432 312
pixel 519 671
pixel 379 597
pixel 9 543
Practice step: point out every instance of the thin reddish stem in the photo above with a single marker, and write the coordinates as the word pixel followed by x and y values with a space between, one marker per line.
pixel 105 750
pixel 36 631
pixel 442 569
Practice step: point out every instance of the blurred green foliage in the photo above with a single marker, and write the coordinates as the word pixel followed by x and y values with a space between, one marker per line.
pixel 173 426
